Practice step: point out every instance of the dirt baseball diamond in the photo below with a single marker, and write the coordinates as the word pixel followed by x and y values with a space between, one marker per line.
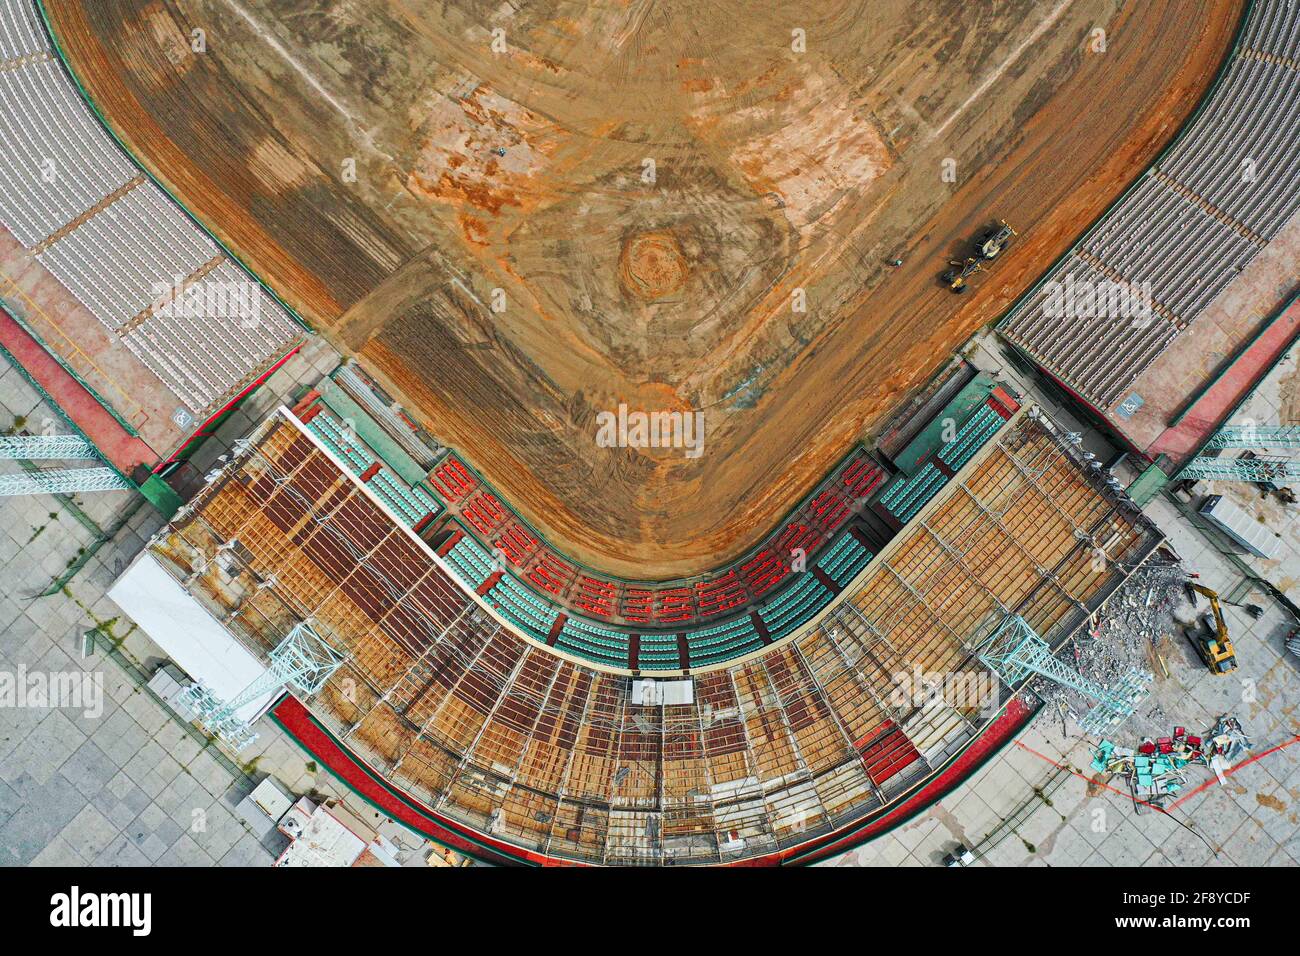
pixel 520 218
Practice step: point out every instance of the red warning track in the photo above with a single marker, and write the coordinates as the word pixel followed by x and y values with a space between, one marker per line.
pixel 123 450
pixel 297 721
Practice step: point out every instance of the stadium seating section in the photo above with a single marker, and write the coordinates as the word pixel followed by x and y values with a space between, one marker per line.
pixel 685 603
pixel 1208 206
pixel 113 239
pixel 411 504
pixel 907 493
pixel 762 597
pixel 757 625
pixel 735 611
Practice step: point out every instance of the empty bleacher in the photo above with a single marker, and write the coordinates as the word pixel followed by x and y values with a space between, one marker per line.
pixel 21 33
pixel 111 237
pixel 943 447
pixel 470 562
pixel 971 437
pixel 57 162
pixel 601 645
pixel 519 606
pixel 1211 202
pixel 906 496
pixel 533 614
pixel 844 559
pixel 452 480
pixel 422 449
pixel 666 626
pixel 116 260
pixel 685 604
pixel 410 504
pixel 794 605
pixel 722 642
pixel 198 348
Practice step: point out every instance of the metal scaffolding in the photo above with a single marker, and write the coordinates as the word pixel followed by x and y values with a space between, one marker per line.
pixel 1256 436
pixel 62 481
pixel 1243 469
pixel 1014 650
pixel 302 661
pixel 29 448
pixel 47 448
pixel 427 695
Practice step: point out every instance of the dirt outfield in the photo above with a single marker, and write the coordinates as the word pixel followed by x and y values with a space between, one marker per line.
pixel 527 169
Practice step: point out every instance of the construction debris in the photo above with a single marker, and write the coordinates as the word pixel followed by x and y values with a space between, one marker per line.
pixel 1123 639
pixel 1156 770
pixel 1227 741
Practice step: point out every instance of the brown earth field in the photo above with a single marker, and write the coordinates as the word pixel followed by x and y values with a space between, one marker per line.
pixel 519 216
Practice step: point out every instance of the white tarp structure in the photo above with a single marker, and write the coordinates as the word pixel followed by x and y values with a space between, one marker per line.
pixel 655 693
pixel 188 633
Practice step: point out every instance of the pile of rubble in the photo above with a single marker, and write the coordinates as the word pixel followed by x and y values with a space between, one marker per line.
pixel 1156 770
pixel 1133 623
pixel 1123 638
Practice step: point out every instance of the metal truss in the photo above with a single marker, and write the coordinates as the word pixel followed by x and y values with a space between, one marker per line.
pixel 1242 469
pixel 1015 651
pixel 62 481
pixel 1256 436
pixel 47 448
pixel 302 661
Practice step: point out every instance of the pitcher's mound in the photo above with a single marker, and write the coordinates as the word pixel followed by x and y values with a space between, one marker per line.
pixel 652 266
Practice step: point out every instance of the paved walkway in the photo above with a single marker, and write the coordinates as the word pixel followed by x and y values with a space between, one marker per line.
pixel 1075 817
pixel 1212 408
pixel 121 782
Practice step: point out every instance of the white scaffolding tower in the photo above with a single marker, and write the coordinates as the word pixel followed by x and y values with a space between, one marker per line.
pixel 1256 436
pixel 1259 469
pixel 1242 469
pixel 63 481
pixel 47 448
pixel 303 661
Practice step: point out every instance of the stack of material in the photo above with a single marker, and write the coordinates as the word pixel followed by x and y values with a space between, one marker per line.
pixel 1156 770
pixel 1225 743
pixel 1293 641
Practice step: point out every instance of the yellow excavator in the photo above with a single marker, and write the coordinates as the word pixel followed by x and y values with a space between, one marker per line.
pixel 1212 641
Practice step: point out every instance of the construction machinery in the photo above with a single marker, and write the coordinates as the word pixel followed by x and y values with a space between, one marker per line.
pixel 961 271
pixel 989 245
pixel 995 240
pixel 1210 635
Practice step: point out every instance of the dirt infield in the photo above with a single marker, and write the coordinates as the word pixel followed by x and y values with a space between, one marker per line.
pixel 627 202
